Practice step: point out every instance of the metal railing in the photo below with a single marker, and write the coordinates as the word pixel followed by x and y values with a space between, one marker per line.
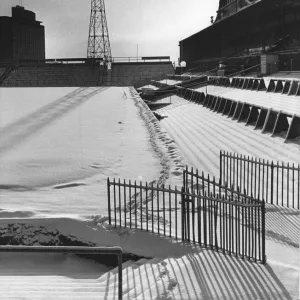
pixel 74 250
pixel 207 214
pixel 277 183
pixel 226 219
pixel 148 207
pixel 141 59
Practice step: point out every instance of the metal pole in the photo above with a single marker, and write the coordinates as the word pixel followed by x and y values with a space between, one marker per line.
pixel 120 276
pixel 109 207
pixel 137 52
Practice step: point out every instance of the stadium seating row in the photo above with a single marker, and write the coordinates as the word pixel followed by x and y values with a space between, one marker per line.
pixel 277 123
pixel 283 86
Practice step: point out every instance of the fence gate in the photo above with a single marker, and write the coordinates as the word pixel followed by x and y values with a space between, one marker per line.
pixel 218 217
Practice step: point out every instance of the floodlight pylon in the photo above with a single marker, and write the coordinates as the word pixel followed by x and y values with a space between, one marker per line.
pixel 98 43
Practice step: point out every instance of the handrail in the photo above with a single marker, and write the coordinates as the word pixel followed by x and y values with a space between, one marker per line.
pixel 140 59
pixel 74 250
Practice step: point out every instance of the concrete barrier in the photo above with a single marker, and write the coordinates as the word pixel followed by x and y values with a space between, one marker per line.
pixel 201 97
pixel 294 87
pixel 206 100
pixel 279 87
pixel 286 87
pixel 217 104
pixel 222 105
pixel 281 124
pixel 237 83
pixel 237 111
pixel 241 83
pixel 227 82
pixel 262 85
pixel 271 86
pixel 227 107
pixel 245 112
pixel 213 102
pixel 233 82
pixel 246 82
pixel 253 115
pixel 261 119
pixel 232 109
pixel 250 84
pixel 255 85
pixel 294 129
pixel 270 121
pixel 298 91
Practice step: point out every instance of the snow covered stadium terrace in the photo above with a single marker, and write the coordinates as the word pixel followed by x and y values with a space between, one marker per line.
pixel 55 158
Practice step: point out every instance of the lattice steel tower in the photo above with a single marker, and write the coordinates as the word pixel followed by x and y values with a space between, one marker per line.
pixel 98 43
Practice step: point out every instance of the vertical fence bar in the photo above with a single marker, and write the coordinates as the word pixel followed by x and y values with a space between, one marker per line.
pixel 176 222
pixel 259 233
pixel 282 185
pixel 277 184
pixel 164 209
pixel 170 216
pixel 130 205
pixel 182 215
pixel 293 185
pixel 221 173
pixel 288 185
pixel 120 204
pixel 263 180
pixel 298 201
pixel 152 207
pixel 255 178
pixel 108 196
pixel 267 187
pixel 115 203
pixel 125 203
pixel 158 217
pixel 272 181
pixel 263 233
pixel 205 219
pixel 147 215
pixel 141 205
pixel 135 204
pixel 259 165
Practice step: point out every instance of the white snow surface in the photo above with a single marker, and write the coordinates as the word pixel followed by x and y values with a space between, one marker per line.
pixel 57 148
pixel 178 270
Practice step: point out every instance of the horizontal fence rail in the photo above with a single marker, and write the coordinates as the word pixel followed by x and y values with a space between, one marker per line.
pixel 74 250
pixel 277 183
pixel 221 218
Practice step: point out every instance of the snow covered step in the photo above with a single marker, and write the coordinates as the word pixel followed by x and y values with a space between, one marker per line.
pixel 139 279
pixel 112 276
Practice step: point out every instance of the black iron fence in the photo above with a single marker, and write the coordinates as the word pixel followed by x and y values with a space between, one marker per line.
pixel 146 206
pixel 276 183
pixel 225 218
pixel 201 212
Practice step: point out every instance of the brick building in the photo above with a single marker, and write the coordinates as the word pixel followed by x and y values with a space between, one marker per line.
pixel 21 36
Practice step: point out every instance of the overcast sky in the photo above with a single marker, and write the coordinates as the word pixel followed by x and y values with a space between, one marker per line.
pixel 155 25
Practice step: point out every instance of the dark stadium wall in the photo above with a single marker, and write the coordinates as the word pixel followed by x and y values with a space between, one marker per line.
pixel 263 26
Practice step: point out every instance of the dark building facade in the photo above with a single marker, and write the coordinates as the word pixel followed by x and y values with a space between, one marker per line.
pixel 245 30
pixel 21 36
